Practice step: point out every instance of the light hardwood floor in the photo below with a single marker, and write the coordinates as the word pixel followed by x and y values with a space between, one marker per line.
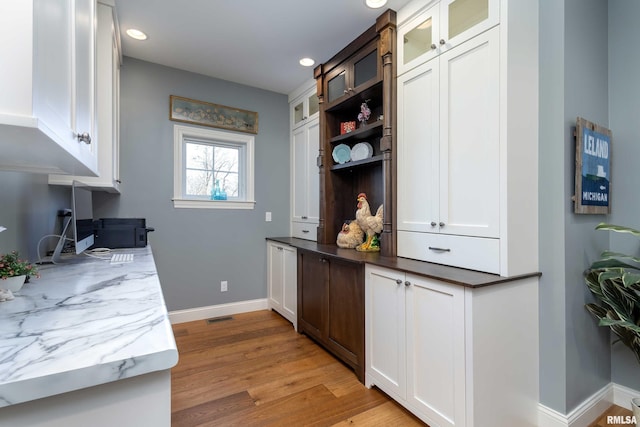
pixel 253 369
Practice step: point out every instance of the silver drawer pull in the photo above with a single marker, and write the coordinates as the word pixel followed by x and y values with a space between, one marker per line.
pixel 439 249
pixel 304 217
pixel 398 282
pixel 305 231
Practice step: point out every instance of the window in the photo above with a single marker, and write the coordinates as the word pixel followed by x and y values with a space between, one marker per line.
pixel 212 161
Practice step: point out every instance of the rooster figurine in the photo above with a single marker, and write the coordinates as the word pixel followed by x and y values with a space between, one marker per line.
pixel 350 236
pixel 370 224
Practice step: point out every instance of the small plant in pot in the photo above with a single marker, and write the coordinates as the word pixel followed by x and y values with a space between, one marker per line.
pixel 14 271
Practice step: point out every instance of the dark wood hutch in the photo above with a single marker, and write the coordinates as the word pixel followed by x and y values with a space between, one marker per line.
pixel 362 71
pixel 331 287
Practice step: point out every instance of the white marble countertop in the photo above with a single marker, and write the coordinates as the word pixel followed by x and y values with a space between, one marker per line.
pixel 84 323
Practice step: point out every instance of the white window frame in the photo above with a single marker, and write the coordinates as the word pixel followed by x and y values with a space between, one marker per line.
pixel 182 135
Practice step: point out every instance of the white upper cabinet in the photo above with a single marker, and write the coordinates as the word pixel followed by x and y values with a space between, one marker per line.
pixel 305 178
pixel 467 134
pixel 47 111
pixel 107 105
pixel 434 29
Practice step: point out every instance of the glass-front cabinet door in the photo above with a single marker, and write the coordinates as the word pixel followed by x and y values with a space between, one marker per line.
pixel 464 19
pixel 304 108
pixel 418 38
pixel 355 74
pixel 441 27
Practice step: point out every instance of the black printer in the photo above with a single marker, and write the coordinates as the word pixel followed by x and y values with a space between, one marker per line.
pixel 115 233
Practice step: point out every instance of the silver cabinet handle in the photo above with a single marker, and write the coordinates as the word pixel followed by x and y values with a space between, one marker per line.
pixel 432 248
pixel 407 283
pixel 305 231
pixel 442 41
pixel 433 223
pixel 84 137
pixel 441 224
pixel 398 282
pixel 433 46
pixel 304 217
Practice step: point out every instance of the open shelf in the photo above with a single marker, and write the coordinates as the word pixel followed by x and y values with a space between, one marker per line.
pixel 357 163
pixel 364 132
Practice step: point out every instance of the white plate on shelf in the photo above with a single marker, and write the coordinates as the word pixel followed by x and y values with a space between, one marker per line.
pixel 341 153
pixel 361 151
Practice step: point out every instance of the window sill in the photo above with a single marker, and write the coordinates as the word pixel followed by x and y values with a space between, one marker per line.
pixel 212 204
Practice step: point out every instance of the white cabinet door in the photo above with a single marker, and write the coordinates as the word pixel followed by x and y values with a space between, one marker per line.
pixel 418 136
pixel 290 285
pixel 85 76
pixel 53 67
pixel 282 280
pixel 107 107
pixel 64 74
pixel 275 275
pixel 469 138
pixel 385 331
pixel 305 183
pixel 435 350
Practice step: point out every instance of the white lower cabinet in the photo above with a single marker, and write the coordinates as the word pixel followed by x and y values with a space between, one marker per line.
pixel 453 355
pixel 282 280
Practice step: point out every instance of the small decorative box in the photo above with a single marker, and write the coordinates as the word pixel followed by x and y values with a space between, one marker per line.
pixel 346 127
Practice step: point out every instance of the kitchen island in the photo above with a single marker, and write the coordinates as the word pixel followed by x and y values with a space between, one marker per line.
pixel 88 343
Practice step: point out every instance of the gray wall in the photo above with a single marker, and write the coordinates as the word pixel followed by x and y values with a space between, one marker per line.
pixel 195 249
pixel 624 93
pixel 575 356
pixel 28 208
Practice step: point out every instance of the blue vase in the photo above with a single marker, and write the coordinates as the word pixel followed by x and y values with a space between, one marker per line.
pixel 218 193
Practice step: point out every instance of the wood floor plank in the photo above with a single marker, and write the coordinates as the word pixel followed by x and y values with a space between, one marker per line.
pixel 211 411
pixel 387 414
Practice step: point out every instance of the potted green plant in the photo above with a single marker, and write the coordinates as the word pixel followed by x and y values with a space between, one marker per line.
pixel 615 281
pixel 14 271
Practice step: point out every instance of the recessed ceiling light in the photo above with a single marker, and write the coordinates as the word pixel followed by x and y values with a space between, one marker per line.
pixel 307 62
pixel 375 4
pixel 136 34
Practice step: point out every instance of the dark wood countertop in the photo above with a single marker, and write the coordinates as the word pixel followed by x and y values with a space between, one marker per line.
pixel 454 275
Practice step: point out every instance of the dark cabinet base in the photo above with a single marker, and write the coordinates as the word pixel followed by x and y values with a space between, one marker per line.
pixel 331 306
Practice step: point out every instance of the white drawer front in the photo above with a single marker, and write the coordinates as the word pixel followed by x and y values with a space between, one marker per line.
pixel 474 253
pixel 305 230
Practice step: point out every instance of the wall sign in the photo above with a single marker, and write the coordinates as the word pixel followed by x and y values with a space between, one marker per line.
pixel 593 168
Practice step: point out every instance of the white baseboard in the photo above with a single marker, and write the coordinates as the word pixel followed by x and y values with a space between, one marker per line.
pixel 201 313
pixel 589 410
pixel 622 395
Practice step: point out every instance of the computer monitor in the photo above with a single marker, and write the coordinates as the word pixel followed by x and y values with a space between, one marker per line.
pixel 81 221
pixel 82 212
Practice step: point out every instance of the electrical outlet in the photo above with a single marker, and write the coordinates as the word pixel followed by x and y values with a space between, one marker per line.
pixel 223 286
pixel 267 216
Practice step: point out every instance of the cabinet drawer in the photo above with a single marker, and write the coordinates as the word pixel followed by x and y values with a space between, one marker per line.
pixel 304 230
pixel 474 253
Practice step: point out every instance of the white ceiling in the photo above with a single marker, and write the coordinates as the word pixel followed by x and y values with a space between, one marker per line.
pixel 253 42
